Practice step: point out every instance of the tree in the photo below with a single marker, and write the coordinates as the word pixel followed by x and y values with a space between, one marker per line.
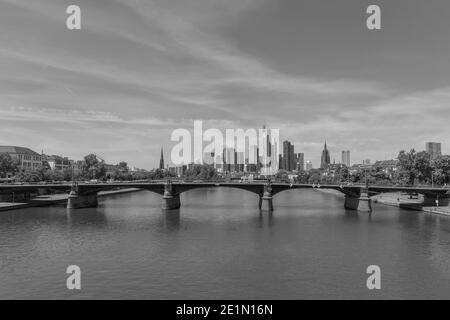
pixel 121 172
pixel 93 168
pixel 343 173
pixel 422 165
pixel 302 177
pixel 379 176
pixel 314 176
pixel 28 176
pixel 8 165
pixel 441 170
pixel 281 175
pixel 201 172
pixel 67 174
pixel 407 173
pixel 414 167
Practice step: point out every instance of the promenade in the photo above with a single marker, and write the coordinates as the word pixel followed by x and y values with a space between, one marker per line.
pixel 404 201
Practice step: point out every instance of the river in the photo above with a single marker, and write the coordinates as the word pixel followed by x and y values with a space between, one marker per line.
pixel 220 246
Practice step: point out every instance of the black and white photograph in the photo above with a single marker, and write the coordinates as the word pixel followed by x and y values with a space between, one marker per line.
pixel 224 155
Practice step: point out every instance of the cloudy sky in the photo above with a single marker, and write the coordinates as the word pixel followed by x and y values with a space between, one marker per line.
pixel 138 69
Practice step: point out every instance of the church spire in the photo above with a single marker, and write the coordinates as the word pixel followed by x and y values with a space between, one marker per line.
pixel 325 159
pixel 161 160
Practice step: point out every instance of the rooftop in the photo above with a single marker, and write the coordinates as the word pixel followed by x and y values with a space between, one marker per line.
pixel 17 150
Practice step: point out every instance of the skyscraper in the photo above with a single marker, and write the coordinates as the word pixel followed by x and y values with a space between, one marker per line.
pixel 288 159
pixel 253 159
pixel 230 159
pixel 325 159
pixel 269 157
pixel 299 162
pixel 161 160
pixel 240 161
pixel 286 150
pixel 291 158
pixel 346 158
pixel 433 149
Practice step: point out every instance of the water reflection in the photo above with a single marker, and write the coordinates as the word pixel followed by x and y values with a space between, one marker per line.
pixel 91 217
pixel 171 219
pixel 352 215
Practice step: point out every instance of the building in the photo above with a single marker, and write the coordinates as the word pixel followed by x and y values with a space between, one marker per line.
pixel 268 159
pixel 325 159
pixel 346 158
pixel 268 144
pixel 285 157
pixel 218 163
pixel 181 170
pixel 161 160
pixel 387 166
pixel 366 162
pixel 292 162
pixel 57 162
pixel 333 169
pixel 299 162
pixel 110 170
pixel 172 170
pixel 434 149
pixel 230 159
pixel 27 159
pixel 252 160
pixel 309 165
pixel 240 161
pixel 288 160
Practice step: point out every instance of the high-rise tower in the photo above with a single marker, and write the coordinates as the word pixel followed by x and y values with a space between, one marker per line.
pixel 346 158
pixel 434 149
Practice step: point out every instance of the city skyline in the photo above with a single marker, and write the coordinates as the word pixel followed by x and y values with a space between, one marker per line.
pixel 119 86
pixel 289 158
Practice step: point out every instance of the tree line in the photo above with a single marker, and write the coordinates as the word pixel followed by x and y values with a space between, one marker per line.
pixel 412 169
pixel 90 168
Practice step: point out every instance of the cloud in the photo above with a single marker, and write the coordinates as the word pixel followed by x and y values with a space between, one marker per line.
pixel 139 69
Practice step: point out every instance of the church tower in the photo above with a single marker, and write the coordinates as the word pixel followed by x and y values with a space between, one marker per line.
pixel 325 160
pixel 161 160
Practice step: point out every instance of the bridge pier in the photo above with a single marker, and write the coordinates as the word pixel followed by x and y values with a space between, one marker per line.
pixel 170 199
pixel 171 202
pixel 266 200
pixel 78 201
pixel 362 203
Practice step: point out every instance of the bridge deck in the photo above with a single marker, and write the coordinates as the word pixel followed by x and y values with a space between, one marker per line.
pixel 8 188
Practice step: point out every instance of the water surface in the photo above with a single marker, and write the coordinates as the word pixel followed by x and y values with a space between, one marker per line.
pixel 220 246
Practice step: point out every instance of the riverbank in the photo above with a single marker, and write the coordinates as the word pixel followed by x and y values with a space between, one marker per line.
pixel 54 199
pixel 405 202
pixel 398 200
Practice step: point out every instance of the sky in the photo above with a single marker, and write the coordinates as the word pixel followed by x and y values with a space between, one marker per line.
pixel 138 69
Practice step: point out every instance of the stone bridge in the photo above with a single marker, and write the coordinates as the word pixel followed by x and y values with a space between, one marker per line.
pixel 356 197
